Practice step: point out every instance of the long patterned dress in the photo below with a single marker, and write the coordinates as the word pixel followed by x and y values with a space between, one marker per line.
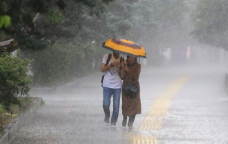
pixel 131 106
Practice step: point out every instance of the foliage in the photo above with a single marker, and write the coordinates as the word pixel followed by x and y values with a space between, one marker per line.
pixel 4 21
pixel 73 54
pixel 62 62
pixel 104 22
pixel 156 17
pixel 1 108
pixel 38 25
pixel 67 28
pixel 15 110
pixel 210 22
pixel 42 103
pixel 13 78
pixel 34 23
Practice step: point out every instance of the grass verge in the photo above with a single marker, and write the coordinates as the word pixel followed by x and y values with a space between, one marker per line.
pixel 15 110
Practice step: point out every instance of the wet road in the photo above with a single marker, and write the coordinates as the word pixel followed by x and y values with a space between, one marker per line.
pixel 180 105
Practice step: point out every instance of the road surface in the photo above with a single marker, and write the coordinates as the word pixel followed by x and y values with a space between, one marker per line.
pixel 180 105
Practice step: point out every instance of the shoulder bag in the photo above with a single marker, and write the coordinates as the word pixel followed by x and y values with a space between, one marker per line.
pixel 131 89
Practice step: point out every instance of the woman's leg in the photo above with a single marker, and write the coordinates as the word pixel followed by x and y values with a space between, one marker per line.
pixel 124 123
pixel 131 121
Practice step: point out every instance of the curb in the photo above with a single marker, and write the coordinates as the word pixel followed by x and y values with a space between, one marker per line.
pixel 13 127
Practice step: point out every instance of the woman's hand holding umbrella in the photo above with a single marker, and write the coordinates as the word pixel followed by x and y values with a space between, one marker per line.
pixel 124 66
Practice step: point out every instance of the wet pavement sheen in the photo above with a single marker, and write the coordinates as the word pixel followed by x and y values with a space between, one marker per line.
pixel 180 105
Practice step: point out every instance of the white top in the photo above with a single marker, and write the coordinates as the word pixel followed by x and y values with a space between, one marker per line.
pixel 111 77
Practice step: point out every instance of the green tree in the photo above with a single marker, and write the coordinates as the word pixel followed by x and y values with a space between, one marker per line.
pixel 74 54
pixel 66 29
pixel 210 22
pixel 13 78
pixel 4 21
pixel 34 23
pixel 63 62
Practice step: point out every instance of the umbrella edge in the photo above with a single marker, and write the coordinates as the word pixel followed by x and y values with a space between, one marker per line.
pixel 103 45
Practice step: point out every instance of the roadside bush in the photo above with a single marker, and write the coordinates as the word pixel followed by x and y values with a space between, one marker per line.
pixel 61 63
pixel 6 117
pixel 13 79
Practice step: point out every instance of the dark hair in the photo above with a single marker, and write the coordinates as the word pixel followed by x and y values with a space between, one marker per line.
pixel 135 59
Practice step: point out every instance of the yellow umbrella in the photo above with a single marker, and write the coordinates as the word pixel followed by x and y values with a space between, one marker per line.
pixel 125 47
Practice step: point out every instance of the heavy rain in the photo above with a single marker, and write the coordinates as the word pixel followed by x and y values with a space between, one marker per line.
pixel 53 55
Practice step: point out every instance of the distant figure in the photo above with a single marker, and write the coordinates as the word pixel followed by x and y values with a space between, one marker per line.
pixel 167 55
pixel 131 103
pixel 112 84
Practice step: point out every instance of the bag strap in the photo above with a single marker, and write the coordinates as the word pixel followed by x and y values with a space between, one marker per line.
pixel 121 59
pixel 109 58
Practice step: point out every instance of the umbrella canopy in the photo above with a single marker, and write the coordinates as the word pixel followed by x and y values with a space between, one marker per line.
pixel 125 47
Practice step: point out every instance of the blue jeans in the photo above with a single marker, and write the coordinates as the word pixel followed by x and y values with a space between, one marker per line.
pixel 107 94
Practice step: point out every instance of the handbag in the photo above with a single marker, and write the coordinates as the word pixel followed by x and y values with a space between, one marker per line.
pixel 131 89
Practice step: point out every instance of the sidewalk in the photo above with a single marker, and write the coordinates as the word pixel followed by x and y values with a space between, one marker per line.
pixel 178 107
pixel 73 114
